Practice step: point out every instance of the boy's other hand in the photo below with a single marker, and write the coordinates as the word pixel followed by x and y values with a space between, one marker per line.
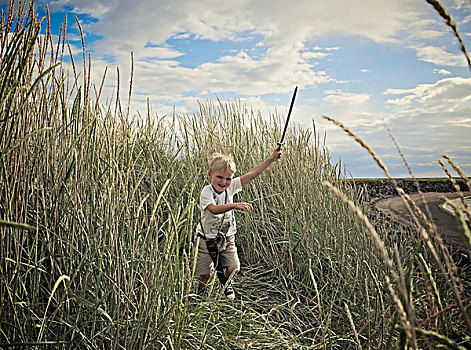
pixel 244 207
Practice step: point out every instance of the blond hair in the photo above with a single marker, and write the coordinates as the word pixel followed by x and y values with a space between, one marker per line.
pixel 220 161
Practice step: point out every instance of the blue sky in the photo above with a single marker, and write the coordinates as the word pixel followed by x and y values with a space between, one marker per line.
pixel 370 64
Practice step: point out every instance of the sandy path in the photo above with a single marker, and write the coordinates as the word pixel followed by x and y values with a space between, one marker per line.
pixel 445 222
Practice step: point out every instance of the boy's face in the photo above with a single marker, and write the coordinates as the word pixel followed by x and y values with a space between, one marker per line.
pixel 220 179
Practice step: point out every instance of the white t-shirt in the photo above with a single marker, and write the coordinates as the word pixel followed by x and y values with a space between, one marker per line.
pixel 214 223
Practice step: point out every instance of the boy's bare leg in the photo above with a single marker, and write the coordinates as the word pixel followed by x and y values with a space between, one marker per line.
pixel 225 273
pixel 229 270
pixel 203 281
pixel 229 292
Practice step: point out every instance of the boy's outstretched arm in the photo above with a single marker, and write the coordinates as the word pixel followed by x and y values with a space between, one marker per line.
pixel 223 208
pixel 257 170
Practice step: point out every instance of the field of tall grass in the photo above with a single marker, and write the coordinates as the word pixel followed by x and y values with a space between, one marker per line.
pixel 98 209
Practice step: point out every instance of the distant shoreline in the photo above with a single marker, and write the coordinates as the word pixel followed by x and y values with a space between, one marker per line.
pixel 380 188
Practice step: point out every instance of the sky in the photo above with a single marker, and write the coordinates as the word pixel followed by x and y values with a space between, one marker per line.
pixel 377 66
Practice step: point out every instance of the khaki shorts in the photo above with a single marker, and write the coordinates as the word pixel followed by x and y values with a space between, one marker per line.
pixel 228 257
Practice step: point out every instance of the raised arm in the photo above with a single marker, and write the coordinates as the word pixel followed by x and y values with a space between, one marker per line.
pixel 260 168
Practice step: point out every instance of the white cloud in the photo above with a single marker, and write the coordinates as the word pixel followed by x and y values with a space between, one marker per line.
pixel 348 98
pixel 161 53
pixel 319 48
pixel 401 102
pixel 427 121
pixel 445 92
pixel 459 4
pixel 439 121
pixel 461 122
pixel 439 56
pixel 314 55
pixel 354 110
pixel 442 71
pixel 90 7
pixel 392 91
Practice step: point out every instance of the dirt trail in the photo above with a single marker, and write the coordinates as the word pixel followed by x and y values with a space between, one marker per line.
pixel 445 222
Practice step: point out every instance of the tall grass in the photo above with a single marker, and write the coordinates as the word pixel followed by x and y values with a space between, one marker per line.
pixel 98 210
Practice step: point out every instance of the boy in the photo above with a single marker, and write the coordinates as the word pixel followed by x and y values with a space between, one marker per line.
pixel 217 226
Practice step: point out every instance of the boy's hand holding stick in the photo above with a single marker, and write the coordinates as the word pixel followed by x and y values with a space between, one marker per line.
pixel 246 178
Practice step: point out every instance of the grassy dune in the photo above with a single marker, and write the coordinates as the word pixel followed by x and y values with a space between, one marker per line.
pixel 98 210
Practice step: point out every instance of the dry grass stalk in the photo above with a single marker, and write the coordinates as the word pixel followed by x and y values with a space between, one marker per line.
pixel 446 343
pixel 462 221
pixel 362 144
pixel 459 171
pixel 117 109
pixel 465 209
pixel 73 66
pixel 408 329
pixel 455 184
pixel 451 23
pixel 433 292
pixel 442 312
pixel 98 94
pixel 376 158
pixel 416 215
pixel 130 83
pixel 454 281
pixel 411 205
pixel 406 290
pixel 450 176
pixel 409 170
pixel 429 307
pixel 349 315
pixel 85 80
pixel 379 244
pixel 276 331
